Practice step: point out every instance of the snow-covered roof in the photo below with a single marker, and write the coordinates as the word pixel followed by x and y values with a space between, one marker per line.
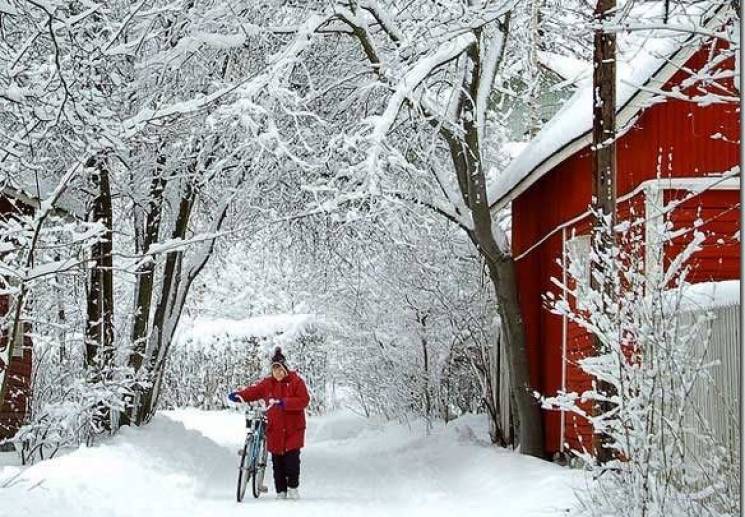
pixel 645 58
pixel 570 69
pixel 31 190
pixel 710 295
pixel 513 149
pixel 205 331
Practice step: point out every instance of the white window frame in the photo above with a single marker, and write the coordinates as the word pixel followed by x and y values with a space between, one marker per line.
pixel 567 242
pixel 654 213
pixel 580 244
pixel 18 340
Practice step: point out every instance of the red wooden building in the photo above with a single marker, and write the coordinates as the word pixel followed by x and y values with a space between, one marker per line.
pixel 668 150
pixel 15 366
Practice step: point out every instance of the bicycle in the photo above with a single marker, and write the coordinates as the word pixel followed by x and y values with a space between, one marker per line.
pixel 253 454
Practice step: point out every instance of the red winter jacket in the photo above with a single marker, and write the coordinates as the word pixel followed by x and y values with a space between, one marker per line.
pixel 286 426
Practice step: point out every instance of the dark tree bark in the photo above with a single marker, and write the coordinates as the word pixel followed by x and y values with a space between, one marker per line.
pixel 145 280
pixel 422 320
pixel 165 305
pixel 466 155
pixel 146 272
pixel 462 138
pixel 61 318
pixel 185 275
pixel 100 303
pixel 604 177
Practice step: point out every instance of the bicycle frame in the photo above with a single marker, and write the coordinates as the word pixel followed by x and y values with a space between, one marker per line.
pixel 256 424
pixel 253 454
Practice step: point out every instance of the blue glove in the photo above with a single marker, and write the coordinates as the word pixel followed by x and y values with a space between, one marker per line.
pixel 234 397
pixel 277 402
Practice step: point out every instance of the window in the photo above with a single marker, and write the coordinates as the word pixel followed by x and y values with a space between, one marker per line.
pixel 734 34
pixel 18 340
pixel 577 263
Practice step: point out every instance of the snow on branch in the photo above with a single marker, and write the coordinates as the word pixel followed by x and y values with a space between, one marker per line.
pixel 386 22
pixel 657 358
pixel 491 59
pixel 413 78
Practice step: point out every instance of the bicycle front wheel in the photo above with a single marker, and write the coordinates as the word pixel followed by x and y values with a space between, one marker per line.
pixel 258 479
pixel 244 469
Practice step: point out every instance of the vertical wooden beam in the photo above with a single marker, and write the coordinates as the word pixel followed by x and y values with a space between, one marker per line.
pixel 604 174
pixel 604 113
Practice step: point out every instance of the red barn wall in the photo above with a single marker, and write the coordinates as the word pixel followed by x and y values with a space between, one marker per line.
pixel 670 139
pixel 718 213
pixel 13 407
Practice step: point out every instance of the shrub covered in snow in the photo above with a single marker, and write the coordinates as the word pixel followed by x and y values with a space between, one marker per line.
pixel 201 376
pixel 211 360
pixel 70 405
pixel 666 458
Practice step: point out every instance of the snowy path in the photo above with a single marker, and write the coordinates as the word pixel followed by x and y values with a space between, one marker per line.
pixel 184 464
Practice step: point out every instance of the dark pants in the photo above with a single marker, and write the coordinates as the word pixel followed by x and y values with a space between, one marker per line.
pixel 286 470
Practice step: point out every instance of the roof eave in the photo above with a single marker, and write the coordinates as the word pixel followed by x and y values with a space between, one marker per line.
pixel 633 106
pixel 34 202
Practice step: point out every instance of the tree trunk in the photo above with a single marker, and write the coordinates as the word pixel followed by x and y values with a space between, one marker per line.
pixel 100 303
pixel 502 273
pixel 466 156
pixel 530 424
pixel 164 307
pixel 177 280
pixel 535 44
pixel 99 325
pixel 183 278
pixel 422 320
pixel 604 180
pixel 145 283
pixel 146 272
pixel 467 161
pixel 61 318
pixel 493 374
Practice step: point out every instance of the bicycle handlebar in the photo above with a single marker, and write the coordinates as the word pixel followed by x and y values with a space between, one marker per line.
pixel 259 403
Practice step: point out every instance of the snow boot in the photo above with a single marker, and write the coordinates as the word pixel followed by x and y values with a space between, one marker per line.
pixel 292 493
pixel 281 495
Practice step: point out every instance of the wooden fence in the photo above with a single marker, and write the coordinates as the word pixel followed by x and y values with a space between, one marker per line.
pixel 718 400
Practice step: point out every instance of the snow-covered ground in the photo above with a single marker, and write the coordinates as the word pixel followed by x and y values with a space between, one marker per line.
pixel 184 464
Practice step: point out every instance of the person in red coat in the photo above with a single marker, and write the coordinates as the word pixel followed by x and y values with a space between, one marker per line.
pixel 286 395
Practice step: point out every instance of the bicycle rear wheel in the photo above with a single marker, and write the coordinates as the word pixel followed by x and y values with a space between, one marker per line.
pixel 258 479
pixel 244 469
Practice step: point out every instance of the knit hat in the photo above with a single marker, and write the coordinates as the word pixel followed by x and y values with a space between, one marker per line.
pixel 279 358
